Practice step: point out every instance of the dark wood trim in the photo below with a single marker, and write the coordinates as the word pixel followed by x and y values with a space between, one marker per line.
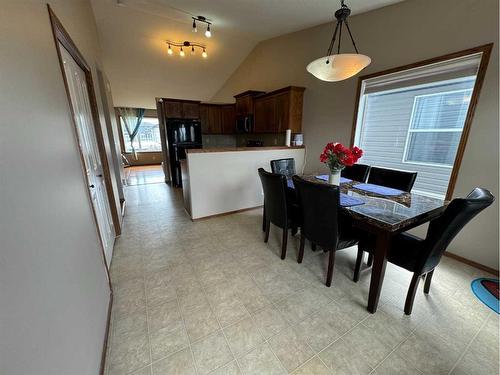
pixel 485 58
pixel 225 213
pixel 472 263
pixel 486 53
pixel 61 36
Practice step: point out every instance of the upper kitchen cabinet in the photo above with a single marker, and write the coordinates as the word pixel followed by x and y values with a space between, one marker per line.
pixel 228 118
pixel 279 110
pixel 265 115
pixel 186 109
pixel 245 102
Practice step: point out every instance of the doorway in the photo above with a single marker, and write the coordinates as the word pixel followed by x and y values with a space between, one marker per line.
pixel 77 78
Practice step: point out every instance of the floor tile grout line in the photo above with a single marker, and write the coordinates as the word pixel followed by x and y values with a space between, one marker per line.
pixel 223 333
pixel 469 345
pixel 393 351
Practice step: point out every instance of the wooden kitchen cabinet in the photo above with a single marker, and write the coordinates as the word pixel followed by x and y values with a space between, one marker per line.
pixel 277 111
pixel 204 119
pixel 185 109
pixel 214 120
pixel 245 102
pixel 173 109
pixel 228 118
pixel 190 110
pixel 265 115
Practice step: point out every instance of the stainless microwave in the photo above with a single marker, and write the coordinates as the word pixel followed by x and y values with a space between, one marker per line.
pixel 244 124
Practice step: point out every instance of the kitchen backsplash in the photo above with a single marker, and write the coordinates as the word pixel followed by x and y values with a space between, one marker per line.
pixel 240 140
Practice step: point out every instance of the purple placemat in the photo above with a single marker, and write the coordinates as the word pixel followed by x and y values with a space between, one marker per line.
pixel 345 200
pixel 348 201
pixel 377 189
pixel 324 177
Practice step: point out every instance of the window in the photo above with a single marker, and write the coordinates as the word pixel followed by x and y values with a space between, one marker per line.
pixel 413 119
pixel 148 137
pixel 436 127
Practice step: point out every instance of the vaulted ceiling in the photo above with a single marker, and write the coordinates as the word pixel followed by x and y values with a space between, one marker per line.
pixel 133 35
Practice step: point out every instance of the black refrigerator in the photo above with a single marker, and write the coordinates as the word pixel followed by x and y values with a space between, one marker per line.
pixel 181 136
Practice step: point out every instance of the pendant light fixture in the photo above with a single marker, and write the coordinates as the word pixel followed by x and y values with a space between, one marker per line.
pixel 339 66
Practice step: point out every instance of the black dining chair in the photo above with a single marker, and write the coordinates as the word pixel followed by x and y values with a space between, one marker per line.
pixel 284 166
pixel 279 209
pixel 393 178
pixel 356 172
pixel 421 256
pixel 321 222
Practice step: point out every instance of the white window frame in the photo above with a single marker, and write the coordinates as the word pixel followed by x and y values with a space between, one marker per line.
pixel 433 130
pixel 123 131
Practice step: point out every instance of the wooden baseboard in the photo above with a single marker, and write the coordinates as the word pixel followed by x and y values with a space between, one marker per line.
pixel 106 335
pixel 472 263
pixel 225 213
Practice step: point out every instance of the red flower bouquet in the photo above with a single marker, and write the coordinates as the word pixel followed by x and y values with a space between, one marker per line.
pixel 336 156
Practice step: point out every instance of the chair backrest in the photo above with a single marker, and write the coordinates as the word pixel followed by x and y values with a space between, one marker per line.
pixel 356 172
pixel 392 178
pixel 283 166
pixel 274 186
pixel 444 229
pixel 319 205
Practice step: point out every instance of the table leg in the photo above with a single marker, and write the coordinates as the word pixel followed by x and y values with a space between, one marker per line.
pixel 383 243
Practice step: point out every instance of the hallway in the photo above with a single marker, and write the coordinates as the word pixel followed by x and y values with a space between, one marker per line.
pixel 210 297
pixel 144 174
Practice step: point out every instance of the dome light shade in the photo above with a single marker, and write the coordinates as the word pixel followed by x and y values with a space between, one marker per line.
pixel 338 67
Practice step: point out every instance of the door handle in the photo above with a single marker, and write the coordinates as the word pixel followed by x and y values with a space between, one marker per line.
pixel 92 186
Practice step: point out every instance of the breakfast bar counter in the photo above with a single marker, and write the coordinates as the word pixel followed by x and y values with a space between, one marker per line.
pixel 224 180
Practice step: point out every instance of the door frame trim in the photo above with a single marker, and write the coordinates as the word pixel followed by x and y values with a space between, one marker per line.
pixel 61 36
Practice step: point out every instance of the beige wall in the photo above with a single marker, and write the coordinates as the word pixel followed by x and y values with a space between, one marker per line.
pixel 392 36
pixel 53 286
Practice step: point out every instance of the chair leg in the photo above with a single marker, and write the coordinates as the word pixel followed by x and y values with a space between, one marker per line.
pixel 369 262
pixel 301 248
pixel 268 227
pixel 410 297
pixel 313 246
pixel 264 219
pixel 331 262
pixel 428 279
pixel 284 243
pixel 357 268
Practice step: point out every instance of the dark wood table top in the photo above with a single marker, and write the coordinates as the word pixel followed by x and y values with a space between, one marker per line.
pixel 389 213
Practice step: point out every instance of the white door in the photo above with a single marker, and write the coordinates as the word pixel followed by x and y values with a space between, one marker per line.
pixel 80 103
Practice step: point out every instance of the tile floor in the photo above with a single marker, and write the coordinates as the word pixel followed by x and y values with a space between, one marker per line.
pixel 144 174
pixel 211 298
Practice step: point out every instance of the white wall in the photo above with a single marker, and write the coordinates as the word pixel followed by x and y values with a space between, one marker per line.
pixel 53 286
pixel 399 34
pixel 228 181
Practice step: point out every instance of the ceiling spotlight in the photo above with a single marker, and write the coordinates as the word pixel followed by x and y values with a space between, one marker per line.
pixel 190 46
pixel 208 33
pixel 195 29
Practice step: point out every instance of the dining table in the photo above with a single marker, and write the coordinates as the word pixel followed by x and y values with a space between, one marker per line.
pixel 383 212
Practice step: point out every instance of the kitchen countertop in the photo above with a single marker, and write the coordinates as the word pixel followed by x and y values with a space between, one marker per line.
pixel 232 149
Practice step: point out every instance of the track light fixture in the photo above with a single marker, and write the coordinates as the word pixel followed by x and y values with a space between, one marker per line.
pixel 187 44
pixel 208 32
